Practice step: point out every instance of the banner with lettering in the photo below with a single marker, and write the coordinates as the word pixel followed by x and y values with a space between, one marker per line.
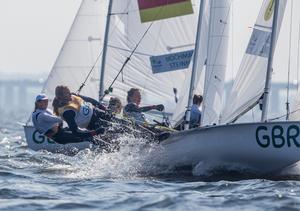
pixel 171 62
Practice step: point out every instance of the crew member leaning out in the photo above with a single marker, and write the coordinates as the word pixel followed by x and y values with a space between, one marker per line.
pixel 133 109
pixel 78 113
pixel 51 126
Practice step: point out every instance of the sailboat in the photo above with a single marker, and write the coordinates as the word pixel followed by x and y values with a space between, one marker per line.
pixel 160 63
pixel 262 147
pixel 78 55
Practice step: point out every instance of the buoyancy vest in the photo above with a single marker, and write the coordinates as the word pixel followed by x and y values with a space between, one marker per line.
pixel 83 110
pixel 44 119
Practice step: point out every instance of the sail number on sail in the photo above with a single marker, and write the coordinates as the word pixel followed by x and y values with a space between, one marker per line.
pixel 277 136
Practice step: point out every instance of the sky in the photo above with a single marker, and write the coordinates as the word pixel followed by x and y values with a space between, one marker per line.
pixel 32 33
pixel 244 14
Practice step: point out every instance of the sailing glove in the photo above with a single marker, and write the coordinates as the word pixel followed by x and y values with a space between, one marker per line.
pixel 160 107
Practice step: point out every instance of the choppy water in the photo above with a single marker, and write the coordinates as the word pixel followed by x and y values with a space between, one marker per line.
pixel 122 181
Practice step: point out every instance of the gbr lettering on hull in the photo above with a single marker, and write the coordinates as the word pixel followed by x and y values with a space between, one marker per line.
pixel 278 137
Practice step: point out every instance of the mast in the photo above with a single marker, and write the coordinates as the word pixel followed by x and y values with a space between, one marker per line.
pixel 289 67
pixel 194 69
pixel 270 64
pixel 102 70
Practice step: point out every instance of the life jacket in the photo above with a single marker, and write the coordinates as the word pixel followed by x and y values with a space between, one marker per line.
pixel 83 110
pixel 44 125
pixel 35 122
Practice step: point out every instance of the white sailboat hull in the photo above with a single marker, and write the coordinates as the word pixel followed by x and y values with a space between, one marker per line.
pixel 36 142
pixel 263 147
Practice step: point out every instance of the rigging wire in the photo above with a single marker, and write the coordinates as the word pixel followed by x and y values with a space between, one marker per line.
pixel 126 61
pixel 252 112
pixel 279 117
pixel 289 66
pixel 297 86
pixel 298 54
pixel 100 54
pixel 232 43
pixel 88 75
pixel 129 57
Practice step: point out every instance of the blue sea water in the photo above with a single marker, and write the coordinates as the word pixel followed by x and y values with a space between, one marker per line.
pixel 118 181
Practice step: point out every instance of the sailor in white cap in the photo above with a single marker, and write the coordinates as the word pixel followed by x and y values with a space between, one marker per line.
pixel 50 125
pixel 42 117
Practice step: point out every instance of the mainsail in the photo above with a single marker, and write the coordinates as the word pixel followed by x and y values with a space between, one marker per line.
pixel 80 51
pixel 161 61
pixel 249 83
pixel 216 61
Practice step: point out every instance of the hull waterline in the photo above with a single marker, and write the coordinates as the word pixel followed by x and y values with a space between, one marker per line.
pixel 263 147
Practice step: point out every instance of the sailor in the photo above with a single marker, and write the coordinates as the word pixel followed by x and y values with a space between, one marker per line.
pixel 115 105
pixel 133 110
pixel 78 113
pixel 195 119
pixel 51 126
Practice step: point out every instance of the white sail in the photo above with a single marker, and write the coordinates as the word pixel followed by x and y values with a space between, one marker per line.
pixel 216 61
pixel 249 83
pixel 183 99
pixel 80 51
pixel 164 37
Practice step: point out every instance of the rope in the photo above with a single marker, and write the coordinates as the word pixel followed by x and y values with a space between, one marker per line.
pixel 88 75
pixel 279 117
pixel 128 58
pixel 126 61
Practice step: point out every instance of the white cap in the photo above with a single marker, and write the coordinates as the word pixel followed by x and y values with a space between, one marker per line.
pixel 41 97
